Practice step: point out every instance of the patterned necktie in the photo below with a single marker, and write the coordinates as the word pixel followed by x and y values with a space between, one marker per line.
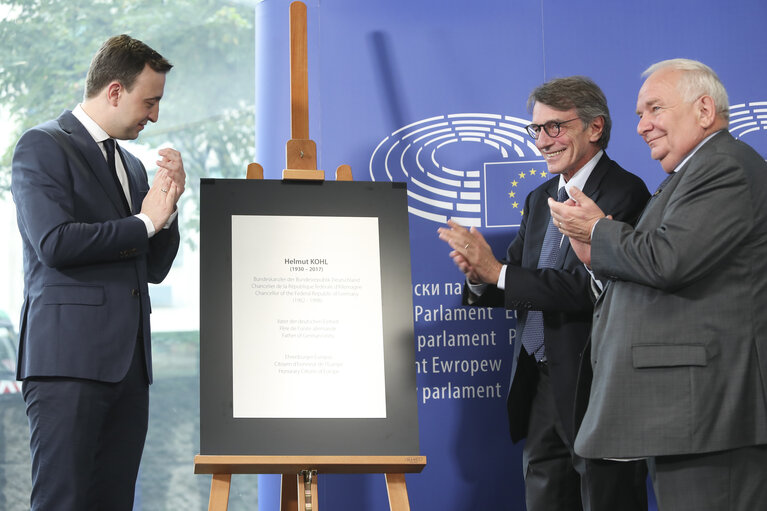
pixel 109 145
pixel 532 335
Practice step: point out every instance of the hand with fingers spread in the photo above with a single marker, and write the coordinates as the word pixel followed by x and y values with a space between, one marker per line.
pixel 172 162
pixel 471 253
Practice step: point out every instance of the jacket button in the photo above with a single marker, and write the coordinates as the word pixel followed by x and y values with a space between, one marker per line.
pixel 134 292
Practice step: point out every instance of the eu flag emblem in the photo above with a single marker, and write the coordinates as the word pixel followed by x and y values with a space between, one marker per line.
pixel 506 187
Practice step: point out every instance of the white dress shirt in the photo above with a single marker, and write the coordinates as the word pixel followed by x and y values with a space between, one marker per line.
pixel 99 136
pixel 578 179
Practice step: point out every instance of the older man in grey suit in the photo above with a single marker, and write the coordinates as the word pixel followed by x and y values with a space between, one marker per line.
pixel 679 340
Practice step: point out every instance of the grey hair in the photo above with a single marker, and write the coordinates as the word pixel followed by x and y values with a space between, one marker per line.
pixel 697 79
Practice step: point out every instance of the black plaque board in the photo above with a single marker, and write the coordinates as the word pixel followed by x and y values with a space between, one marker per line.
pixel 223 434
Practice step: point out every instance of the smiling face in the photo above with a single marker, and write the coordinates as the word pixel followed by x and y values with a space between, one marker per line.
pixel 134 108
pixel 669 124
pixel 575 145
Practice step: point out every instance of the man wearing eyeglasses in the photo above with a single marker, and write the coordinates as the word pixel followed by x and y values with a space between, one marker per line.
pixel 542 279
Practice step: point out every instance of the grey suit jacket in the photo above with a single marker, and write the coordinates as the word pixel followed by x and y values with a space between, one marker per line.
pixel 679 341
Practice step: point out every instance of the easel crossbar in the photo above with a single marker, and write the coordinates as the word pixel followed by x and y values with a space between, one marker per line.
pixel 214 464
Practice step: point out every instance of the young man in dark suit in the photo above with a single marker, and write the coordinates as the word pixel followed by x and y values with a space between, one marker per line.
pixel 94 235
pixel 542 279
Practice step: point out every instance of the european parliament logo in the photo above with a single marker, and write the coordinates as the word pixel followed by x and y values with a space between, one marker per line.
pixel 748 122
pixel 475 168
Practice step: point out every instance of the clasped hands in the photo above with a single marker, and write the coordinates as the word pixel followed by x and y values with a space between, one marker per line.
pixel 575 218
pixel 168 185
pixel 471 253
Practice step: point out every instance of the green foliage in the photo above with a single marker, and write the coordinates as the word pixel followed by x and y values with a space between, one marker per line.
pixel 206 112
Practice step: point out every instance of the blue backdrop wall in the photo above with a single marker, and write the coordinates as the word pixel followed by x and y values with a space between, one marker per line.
pixel 433 93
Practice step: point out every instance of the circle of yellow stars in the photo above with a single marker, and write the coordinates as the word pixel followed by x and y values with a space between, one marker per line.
pixel 531 173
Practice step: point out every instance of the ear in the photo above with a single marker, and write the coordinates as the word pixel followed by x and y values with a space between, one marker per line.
pixel 596 126
pixel 705 109
pixel 114 91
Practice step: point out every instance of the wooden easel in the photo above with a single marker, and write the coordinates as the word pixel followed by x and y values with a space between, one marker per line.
pixel 306 468
pixel 301 164
pixel 300 151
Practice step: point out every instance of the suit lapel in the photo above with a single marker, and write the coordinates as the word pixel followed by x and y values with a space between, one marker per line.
pixel 599 172
pixel 564 250
pixel 661 195
pixel 91 153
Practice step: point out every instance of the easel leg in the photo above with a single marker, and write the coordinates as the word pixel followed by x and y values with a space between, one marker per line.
pixel 305 484
pixel 289 492
pixel 397 490
pixel 219 492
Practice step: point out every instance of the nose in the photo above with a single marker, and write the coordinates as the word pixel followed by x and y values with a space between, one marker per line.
pixel 644 125
pixel 543 140
pixel 154 113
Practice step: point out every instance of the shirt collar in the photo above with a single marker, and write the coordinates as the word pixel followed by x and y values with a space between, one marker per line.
pixel 96 131
pixel 581 176
pixel 695 150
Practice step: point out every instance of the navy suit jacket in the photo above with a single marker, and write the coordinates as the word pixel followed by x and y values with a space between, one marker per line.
pixel 86 264
pixel 562 292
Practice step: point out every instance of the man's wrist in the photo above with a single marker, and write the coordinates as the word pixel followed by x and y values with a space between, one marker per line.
pixel 594 226
pixel 501 282
pixel 150 230
pixel 476 288
pixel 171 218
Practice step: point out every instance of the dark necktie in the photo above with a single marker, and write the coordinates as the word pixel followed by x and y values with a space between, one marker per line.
pixel 661 186
pixel 109 145
pixel 532 335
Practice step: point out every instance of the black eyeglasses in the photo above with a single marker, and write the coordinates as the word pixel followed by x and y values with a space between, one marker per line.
pixel 551 128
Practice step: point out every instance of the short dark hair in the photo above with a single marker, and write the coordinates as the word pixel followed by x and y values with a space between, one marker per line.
pixel 122 58
pixel 577 92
